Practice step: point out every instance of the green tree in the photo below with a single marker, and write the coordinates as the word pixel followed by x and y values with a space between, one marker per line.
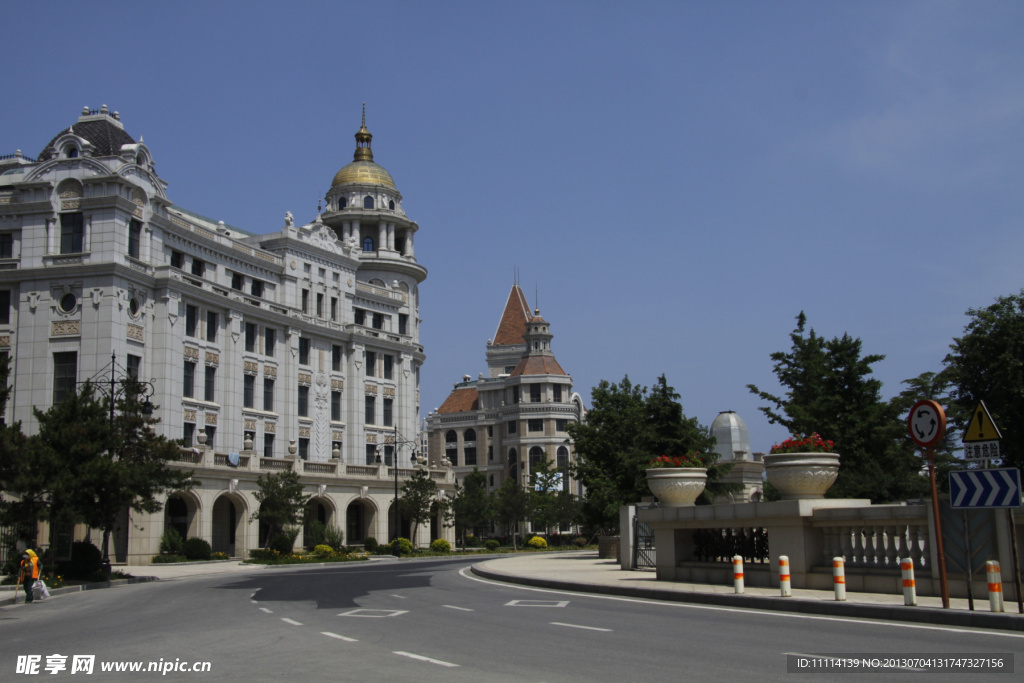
pixel 281 501
pixel 545 484
pixel 419 493
pixel 472 507
pixel 935 387
pixel 511 506
pixel 986 364
pixel 829 390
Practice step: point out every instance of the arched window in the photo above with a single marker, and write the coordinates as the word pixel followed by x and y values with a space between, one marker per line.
pixel 71 151
pixel 391 204
pixel 367 202
pixel 536 457
pixel 563 466
pixel 367 244
pixel 342 202
pixel 469 435
pixel 450 436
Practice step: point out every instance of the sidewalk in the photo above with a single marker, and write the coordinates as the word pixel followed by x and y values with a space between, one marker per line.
pixel 582 571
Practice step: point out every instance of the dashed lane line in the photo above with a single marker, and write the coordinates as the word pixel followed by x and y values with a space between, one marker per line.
pixel 425 659
pixel 264 609
pixel 291 621
pixel 335 635
pixel 588 628
pixel 461 609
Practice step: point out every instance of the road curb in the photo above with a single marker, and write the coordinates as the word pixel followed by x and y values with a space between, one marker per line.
pixel 116 583
pixel 922 615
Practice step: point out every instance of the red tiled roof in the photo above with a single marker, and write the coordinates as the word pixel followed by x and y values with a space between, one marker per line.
pixel 461 400
pixel 538 365
pixel 512 328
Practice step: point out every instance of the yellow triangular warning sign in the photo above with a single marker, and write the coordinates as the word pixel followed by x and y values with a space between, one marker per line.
pixel 982 427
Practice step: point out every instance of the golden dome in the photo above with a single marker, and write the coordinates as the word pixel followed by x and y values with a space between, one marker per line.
pixel 362 169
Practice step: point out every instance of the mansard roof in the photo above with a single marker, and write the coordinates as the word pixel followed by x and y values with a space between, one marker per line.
pixel 460 401
pixel 512 328
pixel 538 365
pixel 104 134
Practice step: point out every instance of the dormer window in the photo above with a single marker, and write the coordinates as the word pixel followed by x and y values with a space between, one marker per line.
pixel 368 203
pixel 71 152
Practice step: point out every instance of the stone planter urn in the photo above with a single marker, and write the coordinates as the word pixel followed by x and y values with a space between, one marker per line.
pixel 802 476
pixel 677 487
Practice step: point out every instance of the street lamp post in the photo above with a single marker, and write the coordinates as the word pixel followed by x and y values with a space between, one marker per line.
pixel 398 441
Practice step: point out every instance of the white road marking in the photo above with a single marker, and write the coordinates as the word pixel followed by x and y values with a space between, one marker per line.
pixel 764 613
pixel 400 597
pixel 377 613
pixel 253 594
pixel 461 609
pixel 264 609
pixel 537 603
pixel 335 635
pixel 588 628
pixel 291 621
pixel 424 659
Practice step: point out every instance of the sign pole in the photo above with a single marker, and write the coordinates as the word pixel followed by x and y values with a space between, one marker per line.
pixel 943 581
pixel 968 565
pixel 1016 566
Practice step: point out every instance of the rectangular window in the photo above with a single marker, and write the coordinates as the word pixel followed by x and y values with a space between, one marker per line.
pixel 250 337
pixel 560 425
pixel 319 305
pixel 334 308
pixel 191 320
pixel 237 282
pixel 72 233
pixel 5 307
pixel 268 394
pixel 304 448
pixel 371 410
pixel 303 351
pixel 371 454
pixel 336 406
pixel 388 403
pixel 177 258
pixel 558 393
pixel 188 433
pixel 490 453
pixel 512 427
pixel 211 326
pixel 248 390
pixel 133 366
pixel 198 267
pixel 134 238
pixel 515 394
pixel 188 380
pixel 6 245
pixel 535 425
pixel 470 455
pixel 371 363
pixel 211 383
pixel 534 393
pixel 360 317
pixel 303 401
pixel 305 301
pixel 268 445
pixel 378 321
pixel 389 363
pixel 65 374
pixel 270 338
pixel 335 358
pixel 211 432
pixel 257 288
pixel 403 323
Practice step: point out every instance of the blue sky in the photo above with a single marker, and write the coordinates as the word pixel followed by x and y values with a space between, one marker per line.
pixel 676 180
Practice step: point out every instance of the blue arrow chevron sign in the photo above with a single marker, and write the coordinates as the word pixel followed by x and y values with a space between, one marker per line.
pixel 985 488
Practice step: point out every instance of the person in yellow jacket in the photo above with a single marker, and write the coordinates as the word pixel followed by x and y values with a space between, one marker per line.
pixel 29 572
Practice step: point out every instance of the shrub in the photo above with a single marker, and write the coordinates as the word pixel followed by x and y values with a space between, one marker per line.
pixel 219 556
pixel 492 544
pixel 370 544
pixel 323 551
pixel 171 542
pixel 472 541
pixel 579 541
pixel 537 543
pixel 282 543
pixel 315 534
pixel 440 546
pixel 334 536
pixel 165 559
pixel 86 560
pixel 404 545
pixel 196 548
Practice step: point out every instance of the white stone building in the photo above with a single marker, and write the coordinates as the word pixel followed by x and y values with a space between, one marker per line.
pixel 515 417
pixel 292 350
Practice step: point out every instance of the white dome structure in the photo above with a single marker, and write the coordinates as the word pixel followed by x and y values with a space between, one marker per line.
pixel 732 439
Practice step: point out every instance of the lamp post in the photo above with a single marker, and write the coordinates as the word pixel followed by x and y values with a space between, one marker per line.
pixel 145 390
pixel 398 441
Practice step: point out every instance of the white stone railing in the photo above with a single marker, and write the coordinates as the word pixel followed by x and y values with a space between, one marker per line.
pixel 875 537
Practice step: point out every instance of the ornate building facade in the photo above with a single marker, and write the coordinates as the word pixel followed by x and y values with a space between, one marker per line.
pixel 295 350
pixel 508 422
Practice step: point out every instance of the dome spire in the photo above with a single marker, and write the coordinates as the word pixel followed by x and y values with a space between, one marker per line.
pixel 363 138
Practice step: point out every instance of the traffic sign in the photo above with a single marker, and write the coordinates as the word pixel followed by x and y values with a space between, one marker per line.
pixel 981 427
pixel 981 450
pixel 985 488
pixel 927 423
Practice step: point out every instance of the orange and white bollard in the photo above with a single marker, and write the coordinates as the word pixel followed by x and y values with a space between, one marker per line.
pixel 995 586
pixel 737 573
pixel 839 577
pixel 909 587
pixel 784 579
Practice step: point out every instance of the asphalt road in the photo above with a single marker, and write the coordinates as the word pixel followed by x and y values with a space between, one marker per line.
pixel 434 621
